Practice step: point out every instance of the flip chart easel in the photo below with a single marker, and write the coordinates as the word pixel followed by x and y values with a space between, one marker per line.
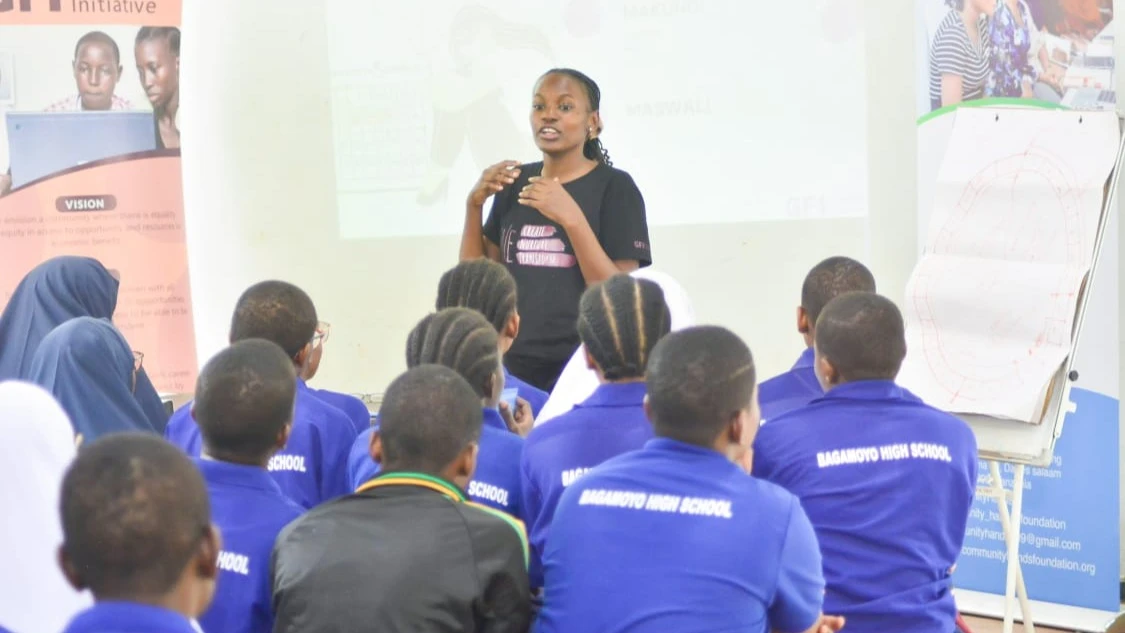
pixel 1018 445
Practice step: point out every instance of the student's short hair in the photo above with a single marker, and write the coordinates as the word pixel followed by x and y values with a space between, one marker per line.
pixel 620 320
pixel 698 379
pixel 169 33
pixel 862 334
pixel 428 416
pixel 278 312
pixel 460 339
pixel 134 511
pixel 244 398
pixel 831 278
pixel 101 38
pixel 482 285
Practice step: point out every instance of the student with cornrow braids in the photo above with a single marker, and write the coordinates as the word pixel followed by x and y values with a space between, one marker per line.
pixel 487 287
pixel 464 341
pixel 620 321
pixel 558 225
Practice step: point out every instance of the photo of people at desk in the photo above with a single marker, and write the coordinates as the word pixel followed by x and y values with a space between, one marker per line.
pixel 105 115
pixel 1055 51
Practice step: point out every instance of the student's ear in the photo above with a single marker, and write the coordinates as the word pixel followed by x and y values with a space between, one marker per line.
pixel 648 408
pixel 512 327
pixel 461 469
pixel 740 438
pixel 494 386
pixel 283 437
pixel 375 448
pixel 803 325
pixel 591 364
pixel 826 373
pixel 205 569
pixel 70 570
pixel 595 125
pixel 207 558
pixel 301 360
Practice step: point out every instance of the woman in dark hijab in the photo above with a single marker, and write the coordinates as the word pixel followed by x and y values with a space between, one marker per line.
pixel 54 292
pixel 90 369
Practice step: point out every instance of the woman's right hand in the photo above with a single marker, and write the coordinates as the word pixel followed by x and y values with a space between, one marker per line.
pixel 493 180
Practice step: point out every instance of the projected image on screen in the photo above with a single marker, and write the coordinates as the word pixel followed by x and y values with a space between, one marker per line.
pixel 723 111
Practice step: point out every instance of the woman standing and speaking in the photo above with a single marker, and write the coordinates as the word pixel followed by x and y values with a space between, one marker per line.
pixel 558 225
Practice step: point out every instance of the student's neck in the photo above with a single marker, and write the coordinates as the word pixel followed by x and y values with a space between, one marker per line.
pixel 568 166
pixel 444 475
pixel 970 14
pixel 219 456
pixel 623 381
pixel 843 382
pixel 179 600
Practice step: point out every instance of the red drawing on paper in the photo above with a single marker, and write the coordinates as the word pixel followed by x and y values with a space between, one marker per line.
pixel 1016 238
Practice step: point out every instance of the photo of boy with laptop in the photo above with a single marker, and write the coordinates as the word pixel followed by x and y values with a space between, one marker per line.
pixel 96 123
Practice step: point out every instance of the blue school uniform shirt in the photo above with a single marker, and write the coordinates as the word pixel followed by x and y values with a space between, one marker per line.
pixel 610 422
pixel 793 389
pixel 674 537
pixel 250 510
pixel 312 468
pixel 496 482
pixel 351 406
pixel 887 482
pixel 128 617
pixel 535 396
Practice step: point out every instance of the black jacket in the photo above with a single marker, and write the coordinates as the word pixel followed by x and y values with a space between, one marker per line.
pixel 407 552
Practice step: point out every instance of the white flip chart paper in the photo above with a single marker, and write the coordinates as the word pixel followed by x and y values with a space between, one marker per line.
pixel 990 306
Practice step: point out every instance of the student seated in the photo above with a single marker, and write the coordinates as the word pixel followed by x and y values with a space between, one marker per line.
pixel 887 480
pixel 619 322
pixel 407 552
pixel 798 386
pixel 487 287
pixel 137 533
pixel 88 367
pixel 350 405
pixel 244 409
pixel 54 292
pixel 313 465
pixel 676 536
pixel 462 340
pixel 37 449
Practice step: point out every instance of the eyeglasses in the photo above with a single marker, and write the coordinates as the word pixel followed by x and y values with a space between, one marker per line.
pixel 321 335
pixel 138 362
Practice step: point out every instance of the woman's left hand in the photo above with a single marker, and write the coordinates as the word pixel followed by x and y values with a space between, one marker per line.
pixel 548 196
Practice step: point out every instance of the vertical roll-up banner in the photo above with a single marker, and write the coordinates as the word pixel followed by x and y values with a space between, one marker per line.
pixel 1038 54
pixel 90 160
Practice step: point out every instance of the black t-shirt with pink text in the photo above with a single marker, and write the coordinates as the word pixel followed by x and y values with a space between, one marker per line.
pixel 540 256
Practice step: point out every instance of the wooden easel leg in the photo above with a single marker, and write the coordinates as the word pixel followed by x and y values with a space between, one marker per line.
pixel 1011 523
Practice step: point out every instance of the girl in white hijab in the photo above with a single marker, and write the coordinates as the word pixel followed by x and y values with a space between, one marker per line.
pixel 38 446
pixel 577 381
